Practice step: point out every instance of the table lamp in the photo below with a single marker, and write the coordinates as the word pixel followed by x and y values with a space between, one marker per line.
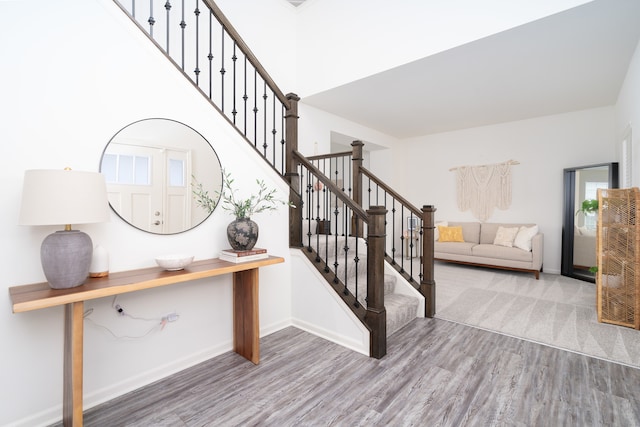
pixel 64 197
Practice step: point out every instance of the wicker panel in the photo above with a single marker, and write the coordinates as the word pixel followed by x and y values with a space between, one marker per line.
pixel 618 249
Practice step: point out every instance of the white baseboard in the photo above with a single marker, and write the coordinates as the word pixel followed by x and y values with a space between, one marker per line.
pixel 348 342
pixel 54 414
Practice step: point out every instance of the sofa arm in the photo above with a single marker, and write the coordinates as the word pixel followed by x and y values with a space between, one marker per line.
pixel 537 250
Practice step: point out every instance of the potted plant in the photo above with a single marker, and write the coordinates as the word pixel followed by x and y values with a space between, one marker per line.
pixel 588 207
pixel 242 233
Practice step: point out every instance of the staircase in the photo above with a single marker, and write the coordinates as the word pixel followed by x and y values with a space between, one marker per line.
pixel 385 290
pixel 401 308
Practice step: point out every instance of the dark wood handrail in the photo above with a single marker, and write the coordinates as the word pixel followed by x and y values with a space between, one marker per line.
pixel 222 19
pixel 391 191
pixel 332 187
pixel 329 156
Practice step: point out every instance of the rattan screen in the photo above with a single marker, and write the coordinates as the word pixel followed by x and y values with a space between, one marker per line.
pixel 618 250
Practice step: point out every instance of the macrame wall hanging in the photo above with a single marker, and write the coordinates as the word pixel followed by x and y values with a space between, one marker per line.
pixel 483 188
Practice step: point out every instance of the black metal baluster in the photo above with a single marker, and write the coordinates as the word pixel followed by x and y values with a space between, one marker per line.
pixel 167 6
pixel 273 129
pixel 315 191
pixel 402 243
pixel 222 71
pixel 420 255
pixel 327 217
pixel 197 70
pixel 133 9
pixel 245 97
pixel 282 140
pixel 210 55
pixel 264 119
pixel 356 260
pixel 393 231
pixel 343 169
pixel 151 19
pixel 335 246
pixel 183 25
pixel 234 58
pixel 255 108
pixel 349 166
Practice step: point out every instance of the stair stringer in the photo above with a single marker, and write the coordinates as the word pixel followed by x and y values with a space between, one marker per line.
pixel 319 310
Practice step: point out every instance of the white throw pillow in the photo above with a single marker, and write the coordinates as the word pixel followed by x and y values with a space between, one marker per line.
pixel 524 236
pixel 436 232
pixel 505 236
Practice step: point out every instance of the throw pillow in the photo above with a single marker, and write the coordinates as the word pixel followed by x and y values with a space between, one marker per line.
pixel 524 236
pixel 436 232
pixel 450 234
pixel 505 236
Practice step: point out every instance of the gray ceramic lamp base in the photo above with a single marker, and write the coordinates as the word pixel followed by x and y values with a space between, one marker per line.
pixel 66 258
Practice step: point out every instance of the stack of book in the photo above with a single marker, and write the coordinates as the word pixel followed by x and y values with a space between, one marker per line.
pixel 232 255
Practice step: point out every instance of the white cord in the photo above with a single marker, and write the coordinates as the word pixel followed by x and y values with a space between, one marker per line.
pixel 123 337
pixel 160 322
pixel 123 313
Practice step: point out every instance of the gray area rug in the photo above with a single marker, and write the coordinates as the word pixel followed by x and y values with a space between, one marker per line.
pixel 555 310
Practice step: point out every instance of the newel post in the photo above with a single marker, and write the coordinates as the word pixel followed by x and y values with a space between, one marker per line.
pixel 428 284
pixel 291 171
pixel 376 317
pixel 356 195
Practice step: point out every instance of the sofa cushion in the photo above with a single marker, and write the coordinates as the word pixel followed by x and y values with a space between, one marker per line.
pixel 450 234
pixel 470 230
pixel 524 236
pixel 489 230
pixel 457 248
pixel 501 252
pixel 505 236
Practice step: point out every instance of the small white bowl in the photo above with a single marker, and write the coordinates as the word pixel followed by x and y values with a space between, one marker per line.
pixel 174 262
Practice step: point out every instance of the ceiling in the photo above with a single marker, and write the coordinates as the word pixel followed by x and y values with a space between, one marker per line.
pixel 570 61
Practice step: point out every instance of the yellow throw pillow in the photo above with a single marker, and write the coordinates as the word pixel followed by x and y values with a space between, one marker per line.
pixel 450 234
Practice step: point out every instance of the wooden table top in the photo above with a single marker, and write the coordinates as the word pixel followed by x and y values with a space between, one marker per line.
pixel 40 295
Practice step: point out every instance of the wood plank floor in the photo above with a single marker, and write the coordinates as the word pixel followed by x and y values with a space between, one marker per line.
pixel 436 373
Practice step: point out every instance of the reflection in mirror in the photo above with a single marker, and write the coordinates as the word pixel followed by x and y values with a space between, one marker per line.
pixel 162 176
pixel 581 186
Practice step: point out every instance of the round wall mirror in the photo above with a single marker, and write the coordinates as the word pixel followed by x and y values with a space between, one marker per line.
pixel 162 176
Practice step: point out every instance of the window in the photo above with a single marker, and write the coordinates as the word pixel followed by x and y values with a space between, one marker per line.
pixel 126 169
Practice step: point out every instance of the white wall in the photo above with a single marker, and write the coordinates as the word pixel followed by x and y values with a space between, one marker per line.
pixel 628 113
pixel 544 147
pixel 73 74
pixel 268 28
pixel 318 126
pixel 318 309
pixel 342 41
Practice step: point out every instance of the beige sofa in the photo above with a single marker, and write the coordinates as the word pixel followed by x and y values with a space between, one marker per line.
pixel 479 249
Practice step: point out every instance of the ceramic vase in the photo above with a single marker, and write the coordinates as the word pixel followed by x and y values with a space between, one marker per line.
pixel 242 234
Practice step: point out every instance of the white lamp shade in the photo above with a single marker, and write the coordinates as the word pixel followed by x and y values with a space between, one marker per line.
pixel 60 197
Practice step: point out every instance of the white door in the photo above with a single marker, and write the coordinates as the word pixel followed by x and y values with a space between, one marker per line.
pixel 147 186
pixel 178 197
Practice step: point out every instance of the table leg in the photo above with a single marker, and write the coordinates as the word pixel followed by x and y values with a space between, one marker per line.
pixel 73 340
pixel 246 325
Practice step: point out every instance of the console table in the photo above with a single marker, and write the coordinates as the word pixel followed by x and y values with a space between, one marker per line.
pixel 246 328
